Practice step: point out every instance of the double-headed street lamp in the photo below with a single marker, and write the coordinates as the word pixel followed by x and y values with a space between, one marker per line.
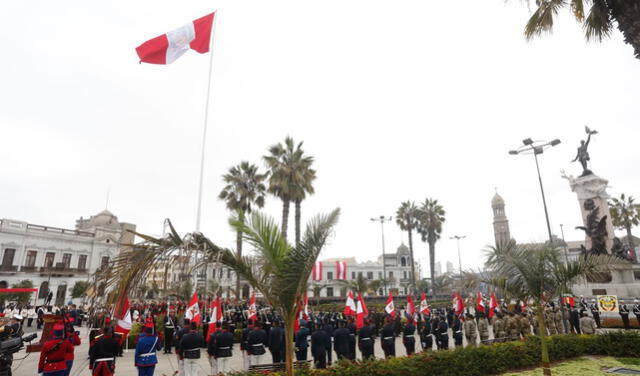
pixel 382 219
pixel 535 148
pixel 457 238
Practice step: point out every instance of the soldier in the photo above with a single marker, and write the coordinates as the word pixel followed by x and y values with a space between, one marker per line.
pixel 525 325
pixel 319 340
pixel 276 342
pixel 387 339
pixel 329 328
pixel 169 327
pixel 341 341
pixel 587 324
pixel 145 357
pixel 258 342
pixel 301 342
pixel 244 346
pixel 211 346
pixel 443 333
pixel 456 328
pixel 73 337
pixel 223 348
pixel 351 326
pixel 426 340
pixel 103 351
pixel 574 320
pixel 583 304
pixel 178 337
pixel 366 341
pixel 190 345
pixel 557 318
pixel 408 337
pixel 595 312
pixel 54 351
pixel 512 327
pixel 483 327
pixel 470 330
pixel 499 333
pixel 636 311
pixel 624 314
pixel 548 321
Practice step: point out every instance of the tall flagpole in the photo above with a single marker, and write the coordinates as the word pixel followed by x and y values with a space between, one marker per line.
pixel 206 116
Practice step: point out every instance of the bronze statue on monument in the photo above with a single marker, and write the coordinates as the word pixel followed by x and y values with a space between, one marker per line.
pixel 583 153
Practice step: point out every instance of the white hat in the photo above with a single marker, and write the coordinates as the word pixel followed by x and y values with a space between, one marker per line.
pixel 17 317
pixel 635 301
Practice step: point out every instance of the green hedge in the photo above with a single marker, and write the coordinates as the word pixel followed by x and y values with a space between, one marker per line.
pixel 488 360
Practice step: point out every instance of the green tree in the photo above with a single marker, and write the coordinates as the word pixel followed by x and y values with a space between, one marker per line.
pixel 441 283
pixel 79 288
pixel 317 289
pixel 244 188
pixel 407 219
pixel 431 217
pixel 598 23
pixel 361 285
pixel 625 214
pixel 423 285
pixel 538 274
pixel 290 179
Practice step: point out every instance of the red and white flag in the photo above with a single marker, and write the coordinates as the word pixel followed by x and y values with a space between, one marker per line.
pixel 458 304
pixel 493 304
pixel 411 308
pixel 361 312
pixel 350 305
pixel 167 48
pixel 252 312
pixel 424 307
pixel 341 270
pixel 479 302
pixel 305 307
pixel 390 309
pixel 216 316
pixel 193 310
pixel 123 315
pixel 316 272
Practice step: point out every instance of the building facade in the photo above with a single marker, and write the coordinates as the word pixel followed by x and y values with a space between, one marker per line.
pixel 54 259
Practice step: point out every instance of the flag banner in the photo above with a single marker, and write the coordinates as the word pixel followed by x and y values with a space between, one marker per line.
pixel 479 302
pixel 424 307
pixel 316 272
pixel 607 303
pixel 361 312
pixel 167 48
pixel 193 310
pixel 252 314
pixel 390 309
pixel 349 305
pixel 458 304
pixel 341 270
pixel 493 305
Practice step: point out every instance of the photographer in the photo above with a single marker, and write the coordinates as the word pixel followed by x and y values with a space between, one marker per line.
pixel 52 357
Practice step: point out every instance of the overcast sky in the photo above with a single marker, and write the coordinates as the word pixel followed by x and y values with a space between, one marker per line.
pixel 396 100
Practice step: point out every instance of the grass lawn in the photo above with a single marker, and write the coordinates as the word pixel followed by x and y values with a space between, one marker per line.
pixel 585 366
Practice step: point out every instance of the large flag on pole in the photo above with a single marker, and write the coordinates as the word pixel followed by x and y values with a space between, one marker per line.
pixel 193 310
pixel 123 315
pixel 252 314
pixel 493 304
pixel 361 312
pixel 216 316
pixel 424 306
pixel 390 308
pixel 167 48
pixel 349 305
pixel 458 304
pixel 411 308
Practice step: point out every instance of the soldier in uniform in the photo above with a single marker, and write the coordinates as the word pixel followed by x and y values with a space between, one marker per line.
pixel 483 327
pixel 513 329
pixel 258 342
pixel 179 334
pixel 73 337
pixel 351 326
pixel 145 356
pixel 470 330
pixel 329 328
pixel 103 353
pixel 223 348
pixel 595 312
pixel 341 341
pixel 557 318
pixel 366 341
pixel 456 328
pixel 319 340
pixel 190 345
pixel 426 340
pixel 636 311
pixel 548 322
pixel 301 341
pixel 211 346
pixel 276 342
pixel 408 337
pixel 387 339
pixel 244 346
pixel 169 326
pixel 587 324
pixel 443 333
pixel 525 325
pixel 624 314
pixel 53 354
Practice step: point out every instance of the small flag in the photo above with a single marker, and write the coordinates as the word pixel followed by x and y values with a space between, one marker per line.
pixel 479 302
pixel 390 308
pixel 361 312
pixel 349 305
pixel 458 304
pixel 493 304
pixel 424 307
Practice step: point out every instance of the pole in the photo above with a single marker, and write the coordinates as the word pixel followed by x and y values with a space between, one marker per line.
pixel 459 258
pixel 544 201
pixel 566 258
pixel 384 264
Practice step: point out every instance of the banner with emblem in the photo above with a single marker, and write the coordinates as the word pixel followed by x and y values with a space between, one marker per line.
pixel 607 303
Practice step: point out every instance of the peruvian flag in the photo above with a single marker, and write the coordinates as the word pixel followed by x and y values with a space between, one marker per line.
pixel 316 272
pixel 123 315
pixel 252 313
pixel 411 308
pixel 341 270
pixel 361 312
pixel 493 304
pixel 350 305
pixel 458 304
pixel 216 316
pixel 479 302
pixel 424 307
pixel 193 310
pixel 168 47
pixel 305 309
pixel 390 308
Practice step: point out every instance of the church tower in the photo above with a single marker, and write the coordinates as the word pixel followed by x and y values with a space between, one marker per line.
pixel 500 221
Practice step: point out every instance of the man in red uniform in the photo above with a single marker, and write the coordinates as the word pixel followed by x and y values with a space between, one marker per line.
pixel 73 337
pixel 54 352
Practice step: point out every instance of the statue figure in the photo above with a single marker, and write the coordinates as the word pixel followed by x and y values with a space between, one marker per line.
pixel 622 251
pixel 596 229
pixel 583 154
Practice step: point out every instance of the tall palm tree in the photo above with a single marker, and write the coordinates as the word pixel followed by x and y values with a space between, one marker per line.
pixel 407 220
pixel 599 22
pixel 431 217
pixel 538 274
pixel 625 214
pixel 244 188
pixel 361 285
pixel 290 178
pixel 441 283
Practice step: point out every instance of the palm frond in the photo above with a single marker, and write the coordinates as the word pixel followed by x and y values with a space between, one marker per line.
pixel 598 25
pixel 542 19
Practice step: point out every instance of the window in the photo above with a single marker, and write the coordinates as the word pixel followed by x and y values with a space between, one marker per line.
pixel 353 275
pixel 329 276
pixel 329 291
pixel 7 259
pixel 82 262
pixel 359 274
pixel 403 261
pixel 390 274
pixel 369 275
pixel 404 274
pixel 31 258
pixel 636 275
pixel 66 260
pixel 379 275
pixel 48 259
pixel 104 264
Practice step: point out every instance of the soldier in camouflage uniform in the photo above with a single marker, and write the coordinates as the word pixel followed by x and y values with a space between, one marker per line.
pixel 513 327
pixel 470 330
pixel 525 325
pixel 483 327
pixel 557 318
pixel 548 322
pixel 499 327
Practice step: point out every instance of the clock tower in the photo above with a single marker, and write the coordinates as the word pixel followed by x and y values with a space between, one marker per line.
pixel 500 221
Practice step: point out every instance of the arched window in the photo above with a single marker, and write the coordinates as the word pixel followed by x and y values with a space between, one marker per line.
pixel 403 261
pixel 3 284
pixel 44 290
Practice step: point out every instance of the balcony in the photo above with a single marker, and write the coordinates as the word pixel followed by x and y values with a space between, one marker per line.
pixel 8 268
pixel 63 270
pixel 26 268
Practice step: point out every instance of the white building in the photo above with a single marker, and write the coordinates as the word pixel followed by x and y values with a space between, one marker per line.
pixel 54 259
pixel 449 267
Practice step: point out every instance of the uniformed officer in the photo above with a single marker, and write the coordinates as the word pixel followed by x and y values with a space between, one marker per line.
pixel 595 312
pixel 636 310
pixel 223 348
pixel 557 318
pixel 351 327
pixel 548 321
pixel 388 338
pixel 319 340
pixel 329 328
pixel 190 345
pixel 178 338
pixel 456 328
pixel 145 356
pixel 483 327
pixel 103 351
pixel 341 341
pixel 524 325
pixel 426 340
pixel 587 324
pixel 52 356
pixel 244 346
pixel 443 333
pixel 499 325
pixel 366 341
pixel 513 329
pixel 408 337
pixel 276 342
pixel 211 348
pixel 73 337
pixel 169 327
pixel 470 330
pixel 258 342
pixel 301 343
pixel 624 314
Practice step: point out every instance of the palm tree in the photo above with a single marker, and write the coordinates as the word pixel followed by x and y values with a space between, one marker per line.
pixel 431 217
pixel 407 219
pixel 423 285
pixel 290 178
pixel 538 274
pixel 317 289
pixel 625 214
pixel 441 283
pixel 469 281
pixel 359 285
pixel 599 22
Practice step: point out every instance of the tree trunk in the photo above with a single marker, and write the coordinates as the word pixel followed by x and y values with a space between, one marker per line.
pixel 627 15
pixel 432 259
pixel 288 346
pixel 239 252
pixel 297 215
pixel 285 217
pixel 413 267
pixel 546 366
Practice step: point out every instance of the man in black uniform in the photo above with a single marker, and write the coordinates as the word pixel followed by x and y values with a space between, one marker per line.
pixel 319 340
pixel 190 345
pixel 328 328
pixel 408 337
pixel 276 342
pixel 169 326
pixel 426 340
pixel 102 354
pixel 624 314
pixel 456 328
pixel 341 341
pixel 366 341
pixel 178 337
pixel 257 343
pixel 443 333
pixel 244 347
pixel 595 312
pixel 351 327
pixel 222 350
pixel 388 338
pixel 575 320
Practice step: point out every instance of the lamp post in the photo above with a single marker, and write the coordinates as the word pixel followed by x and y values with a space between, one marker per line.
pixel 535 148
pixel 382 219
pixel 457 238
pixel 566 258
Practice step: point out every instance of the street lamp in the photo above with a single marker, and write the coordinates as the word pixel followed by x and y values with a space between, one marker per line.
pixel 535 148
pixel 457 238
pixel 382 219
pixel 566 258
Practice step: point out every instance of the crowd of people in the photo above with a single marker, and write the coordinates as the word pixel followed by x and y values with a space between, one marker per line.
pixel 322 337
